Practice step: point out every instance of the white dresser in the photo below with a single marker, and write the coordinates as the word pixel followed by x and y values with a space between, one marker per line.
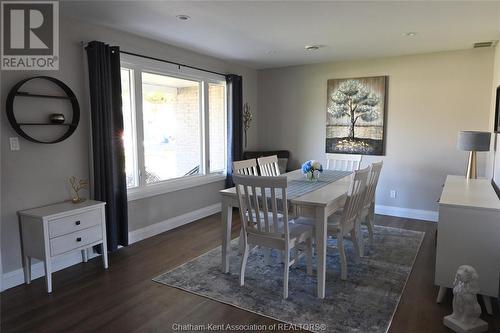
pixel 50 231
pixel 469 234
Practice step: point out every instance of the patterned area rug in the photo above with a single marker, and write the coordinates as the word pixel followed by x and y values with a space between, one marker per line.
pixel 365 302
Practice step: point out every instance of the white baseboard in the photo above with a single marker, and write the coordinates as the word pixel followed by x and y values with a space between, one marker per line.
pixel 417 214
pixel 15 278
pixel 171 223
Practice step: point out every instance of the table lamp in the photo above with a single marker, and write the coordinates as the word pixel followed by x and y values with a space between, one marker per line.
pixel 473 141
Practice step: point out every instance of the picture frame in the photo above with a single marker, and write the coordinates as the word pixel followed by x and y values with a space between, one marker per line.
pixel 356 114
pixel 496 129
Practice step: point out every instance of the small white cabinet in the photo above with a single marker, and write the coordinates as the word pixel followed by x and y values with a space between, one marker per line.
pixel 469 234
pixel 50 231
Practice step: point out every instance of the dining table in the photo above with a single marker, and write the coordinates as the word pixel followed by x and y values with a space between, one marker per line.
pixel 313 199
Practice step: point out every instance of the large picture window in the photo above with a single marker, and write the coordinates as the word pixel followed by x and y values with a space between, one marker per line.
pixel 174 127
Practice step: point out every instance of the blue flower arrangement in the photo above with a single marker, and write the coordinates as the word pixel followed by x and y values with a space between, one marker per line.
pixel 312 169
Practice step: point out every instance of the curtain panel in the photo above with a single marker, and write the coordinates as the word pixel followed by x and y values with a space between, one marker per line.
pixel 234 123
pixel 109 181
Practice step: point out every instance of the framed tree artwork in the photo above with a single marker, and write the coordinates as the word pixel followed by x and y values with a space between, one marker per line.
pixel 355 115
pixel 497 111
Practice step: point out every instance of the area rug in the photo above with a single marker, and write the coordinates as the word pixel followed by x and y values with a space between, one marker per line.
pixel 365 302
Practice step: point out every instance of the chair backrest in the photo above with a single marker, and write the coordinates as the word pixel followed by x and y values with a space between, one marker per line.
pixel 268 166
pixel 355 198
pixel 260 199
pixel 245 167
pixel 343 162
pixel 371 186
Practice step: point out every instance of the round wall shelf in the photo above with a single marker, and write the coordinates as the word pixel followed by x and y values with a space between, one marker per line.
pixel 18 127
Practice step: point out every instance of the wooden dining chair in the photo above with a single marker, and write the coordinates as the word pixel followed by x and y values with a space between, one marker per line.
pixel 347 224
pixel 368 211
pixel 246 167
pixel 268 166
pixel 343 162
pixel 260 199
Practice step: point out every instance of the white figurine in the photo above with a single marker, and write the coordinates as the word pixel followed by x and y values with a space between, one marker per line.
pixel 466 309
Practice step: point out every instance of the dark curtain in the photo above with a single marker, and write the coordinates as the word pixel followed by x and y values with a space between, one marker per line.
pixel 107 130
pixel 234 123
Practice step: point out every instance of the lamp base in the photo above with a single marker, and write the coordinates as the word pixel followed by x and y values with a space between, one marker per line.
pixel 472 166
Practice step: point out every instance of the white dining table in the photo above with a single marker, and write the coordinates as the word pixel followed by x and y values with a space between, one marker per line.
pixel 319 203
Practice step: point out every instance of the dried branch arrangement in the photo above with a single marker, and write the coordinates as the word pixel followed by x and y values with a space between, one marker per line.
pixel 247 119
pixel 77 186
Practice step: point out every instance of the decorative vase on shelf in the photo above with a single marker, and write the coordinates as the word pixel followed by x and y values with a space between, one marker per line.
pixel 57 118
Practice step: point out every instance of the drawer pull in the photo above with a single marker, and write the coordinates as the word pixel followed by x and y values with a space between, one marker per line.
pixel 77 222
pixel 79 239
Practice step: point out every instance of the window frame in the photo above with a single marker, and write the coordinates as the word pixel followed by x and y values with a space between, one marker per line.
pixel 137 66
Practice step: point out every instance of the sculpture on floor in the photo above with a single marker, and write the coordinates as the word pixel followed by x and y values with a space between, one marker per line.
pixel 466 309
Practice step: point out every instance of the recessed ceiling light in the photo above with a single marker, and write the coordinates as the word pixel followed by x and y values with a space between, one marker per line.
pixel 183 17
pixel 313 47
pixel 410 34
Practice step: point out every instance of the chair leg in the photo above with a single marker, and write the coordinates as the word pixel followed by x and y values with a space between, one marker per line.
pixel 244 263
pixel 356 244
pixel 242 245
pixel 358 234
pixel 286 267
pixel 309 256
pixel 343 259
pixel 370 219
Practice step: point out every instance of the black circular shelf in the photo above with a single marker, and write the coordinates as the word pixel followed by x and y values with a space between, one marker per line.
pixel 69 96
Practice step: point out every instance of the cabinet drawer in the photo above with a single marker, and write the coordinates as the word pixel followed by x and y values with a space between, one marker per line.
pixel 75 240
pixel 72 223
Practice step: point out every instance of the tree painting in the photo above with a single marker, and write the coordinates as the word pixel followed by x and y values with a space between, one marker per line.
pixel 353 100
pixel 355 116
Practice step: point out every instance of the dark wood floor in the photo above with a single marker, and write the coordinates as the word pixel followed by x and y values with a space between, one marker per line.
pixel 124 299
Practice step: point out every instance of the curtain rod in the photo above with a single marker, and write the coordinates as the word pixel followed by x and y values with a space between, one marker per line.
pixel 84 44
pixel 172 62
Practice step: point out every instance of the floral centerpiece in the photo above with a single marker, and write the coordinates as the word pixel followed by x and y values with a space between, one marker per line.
pixel 312 170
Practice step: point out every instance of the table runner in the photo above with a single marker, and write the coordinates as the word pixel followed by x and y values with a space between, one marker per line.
pixel 299 187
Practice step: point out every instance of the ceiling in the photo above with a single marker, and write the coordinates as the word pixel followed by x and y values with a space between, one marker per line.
pixel 266 34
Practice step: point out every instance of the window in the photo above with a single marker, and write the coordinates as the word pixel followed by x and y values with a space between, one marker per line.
pixel 174 127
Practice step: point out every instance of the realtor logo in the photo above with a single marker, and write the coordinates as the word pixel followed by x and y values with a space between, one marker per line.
pixel 30 35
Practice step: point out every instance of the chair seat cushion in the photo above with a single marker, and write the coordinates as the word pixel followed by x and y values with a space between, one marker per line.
pixel 334 222
pixel 304 220
pixel 299 229
pixel 269 216
pixel 295 229
pixel 332 226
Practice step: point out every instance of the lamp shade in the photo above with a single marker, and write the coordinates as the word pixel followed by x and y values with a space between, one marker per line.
pixel 474 141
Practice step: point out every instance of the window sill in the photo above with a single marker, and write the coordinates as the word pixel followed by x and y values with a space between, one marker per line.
pixel 172 186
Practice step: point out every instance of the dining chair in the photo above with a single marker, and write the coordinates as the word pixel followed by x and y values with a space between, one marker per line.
pixel 368 210
pixel 245 167
pixel 343 162
pixel 260 199
pixel 268 166
pixel 347 224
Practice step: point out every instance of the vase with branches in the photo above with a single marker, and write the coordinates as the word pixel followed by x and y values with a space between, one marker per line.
pixel 247 120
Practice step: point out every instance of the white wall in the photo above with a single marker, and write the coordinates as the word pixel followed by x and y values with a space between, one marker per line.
pixel 36 175
pixel 431 97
